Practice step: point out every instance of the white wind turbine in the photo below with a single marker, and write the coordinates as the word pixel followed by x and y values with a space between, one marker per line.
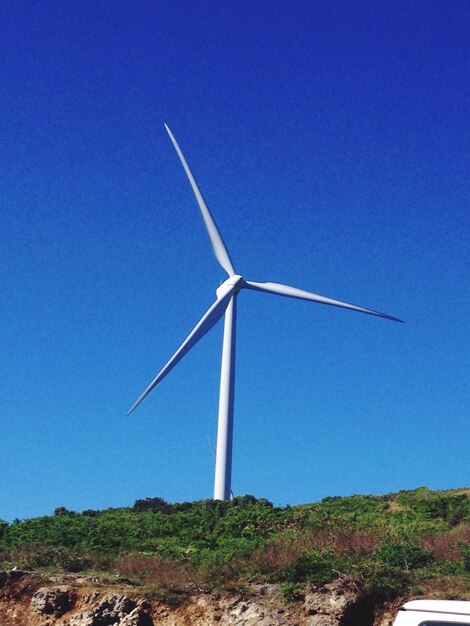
pixel 226 302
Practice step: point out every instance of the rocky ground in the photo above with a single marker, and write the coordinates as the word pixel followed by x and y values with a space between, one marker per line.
pixel 31 599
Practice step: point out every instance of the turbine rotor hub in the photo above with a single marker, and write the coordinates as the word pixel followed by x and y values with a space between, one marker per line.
pixel 235 281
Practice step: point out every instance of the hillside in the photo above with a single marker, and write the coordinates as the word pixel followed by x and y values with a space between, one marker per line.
pixel 412 543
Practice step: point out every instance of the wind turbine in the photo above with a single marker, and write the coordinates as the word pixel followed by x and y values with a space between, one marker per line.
pixel 226 302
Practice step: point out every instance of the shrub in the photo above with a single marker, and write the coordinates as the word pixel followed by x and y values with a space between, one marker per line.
pixel 61 510
pixel 451 508
pixel 386 582
pixel 3 526
pixel 404 556
pixel 152 504
pixel 32 557
pixel 466 557
pixel 72 561
pixel 292 592
pixel 215 543
pixel 311 567
pixel 29 557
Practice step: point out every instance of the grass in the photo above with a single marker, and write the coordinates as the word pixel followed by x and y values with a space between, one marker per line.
pixel 411 542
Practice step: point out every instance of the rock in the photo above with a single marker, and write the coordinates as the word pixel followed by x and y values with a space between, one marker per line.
pixel 250 613
pixel 137 617
pixel 325 604
pixel 117 606
pixel 113 610
pixel 336 603
pixel 83 618
pixel 9 576
pixel 49 600
pixel 323 620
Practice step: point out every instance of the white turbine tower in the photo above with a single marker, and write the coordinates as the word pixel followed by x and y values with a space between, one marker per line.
pixel 226 302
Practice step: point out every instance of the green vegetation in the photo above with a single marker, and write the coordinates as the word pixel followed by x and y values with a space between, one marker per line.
pixel 403 543
pixel 314 567
pixel 404 556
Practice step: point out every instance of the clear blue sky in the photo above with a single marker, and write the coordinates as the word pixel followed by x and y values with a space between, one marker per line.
pixel 331 141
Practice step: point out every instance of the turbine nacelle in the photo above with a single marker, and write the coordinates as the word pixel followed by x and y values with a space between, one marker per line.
pixel 235 282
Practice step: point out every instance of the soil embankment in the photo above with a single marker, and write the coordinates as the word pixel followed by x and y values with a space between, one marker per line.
pixel 31 599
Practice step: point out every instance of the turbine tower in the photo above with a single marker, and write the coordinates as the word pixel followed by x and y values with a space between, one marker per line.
pixel 226 302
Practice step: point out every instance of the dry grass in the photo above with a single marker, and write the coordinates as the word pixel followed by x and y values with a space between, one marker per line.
pixel 156 571
pixel 447 545
pixel 282 551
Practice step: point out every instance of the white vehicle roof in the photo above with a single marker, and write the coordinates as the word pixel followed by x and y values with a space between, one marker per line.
pixel 450 607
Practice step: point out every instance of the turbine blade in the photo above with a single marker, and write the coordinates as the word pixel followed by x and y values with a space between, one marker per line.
pixel 293 292
pixel 208 320
pixel 218 245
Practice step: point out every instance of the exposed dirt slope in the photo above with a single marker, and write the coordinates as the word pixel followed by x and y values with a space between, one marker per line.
pixel 29 599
